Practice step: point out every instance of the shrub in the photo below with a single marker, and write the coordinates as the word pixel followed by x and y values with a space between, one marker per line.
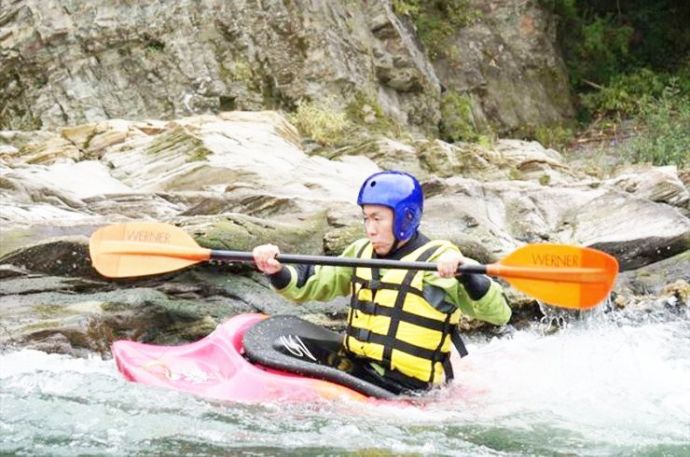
pixel 664 124
pixel 554 136
pixel 625 94
pixel 457 121
pixel 320 121
pixel 436 21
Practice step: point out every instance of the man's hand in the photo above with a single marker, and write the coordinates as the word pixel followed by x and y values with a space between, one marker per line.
pixel 447 265
pixel 265 258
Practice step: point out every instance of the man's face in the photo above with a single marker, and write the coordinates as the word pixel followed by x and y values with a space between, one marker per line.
pixel 378 223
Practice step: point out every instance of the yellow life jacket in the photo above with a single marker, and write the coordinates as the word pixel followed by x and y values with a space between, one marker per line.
pixel 391 322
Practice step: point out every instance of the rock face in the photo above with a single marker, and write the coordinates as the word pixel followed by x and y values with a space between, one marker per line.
pixel 73 62
pixel 247 172
pixel 66 63
pixel 239 179
pixel 508 64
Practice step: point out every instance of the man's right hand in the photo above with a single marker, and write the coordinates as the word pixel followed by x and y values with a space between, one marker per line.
pixel 265 258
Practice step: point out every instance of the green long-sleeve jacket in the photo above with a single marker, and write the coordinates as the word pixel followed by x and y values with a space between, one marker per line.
pixel 477 296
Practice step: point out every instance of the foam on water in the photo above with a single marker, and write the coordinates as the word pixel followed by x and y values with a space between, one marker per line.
pixel 603 389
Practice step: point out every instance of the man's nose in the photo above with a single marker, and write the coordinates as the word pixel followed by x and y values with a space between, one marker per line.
pixel 370 229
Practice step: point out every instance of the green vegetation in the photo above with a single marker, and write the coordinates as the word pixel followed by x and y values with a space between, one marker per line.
pixel 436 21
pixel 631 61
pixel 320 121
pixel 457 122
pixel 365 111
pixel 242 71
pixel 179 140
pixel 665 129
pixel 153 44
pixel 198 154
pixel 328 124
pixel 553 136
pixel 628 63
pixel 545 180
pixel 625 94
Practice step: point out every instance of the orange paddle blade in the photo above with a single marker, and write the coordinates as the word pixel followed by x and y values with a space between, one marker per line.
pixel 568 276
pixel 143 248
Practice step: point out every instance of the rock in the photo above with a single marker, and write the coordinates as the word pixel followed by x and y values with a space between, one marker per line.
pixel 196 58
pixel 11 271
pixel 157 175
pixel 500 215
pixel 216 56
pixel 134 205
pixel 59 257
pixel 678 293
pixel 16 140
pixel 386 153
pixel 17 237
pixel 45 151
pixel 94 138
pixel 34 283
pixel 658 184
pixel 68 323
pixel 530 161
pixel 336 240
pixel 36 183
pixel 508 63
pixel 236 180
pixel 77 316
pixel 508 159
pixel 652 279
pixel 446 160
pixel 645 232
pixel 238 232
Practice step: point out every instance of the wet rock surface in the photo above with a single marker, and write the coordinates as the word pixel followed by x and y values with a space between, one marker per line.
pixel 250 182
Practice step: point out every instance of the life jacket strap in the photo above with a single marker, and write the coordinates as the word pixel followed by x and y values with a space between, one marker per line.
pixel 458 342
pixel 374 309
pixel 459 346
pixel 353 297
pixel 396 315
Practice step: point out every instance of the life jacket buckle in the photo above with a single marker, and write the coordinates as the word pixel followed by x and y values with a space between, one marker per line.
pixel 374 284
pixel 364 335
pixel 369 307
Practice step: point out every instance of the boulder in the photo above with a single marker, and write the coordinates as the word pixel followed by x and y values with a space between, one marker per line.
pixel 236 180
pixel 508 65
pixel 194 58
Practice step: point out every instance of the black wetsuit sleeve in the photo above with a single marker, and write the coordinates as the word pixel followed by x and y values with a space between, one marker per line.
pixel 282 278
pixel 476 285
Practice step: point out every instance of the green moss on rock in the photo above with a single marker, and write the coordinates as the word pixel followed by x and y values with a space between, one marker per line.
pixel 457 120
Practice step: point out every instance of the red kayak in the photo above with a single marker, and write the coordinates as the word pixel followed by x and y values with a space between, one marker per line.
pixel 285 366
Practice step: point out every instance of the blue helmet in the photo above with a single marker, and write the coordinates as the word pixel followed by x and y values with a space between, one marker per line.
pixel 400 192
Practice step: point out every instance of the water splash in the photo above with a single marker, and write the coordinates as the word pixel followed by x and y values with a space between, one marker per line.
pixel 597 387
pixel 555 318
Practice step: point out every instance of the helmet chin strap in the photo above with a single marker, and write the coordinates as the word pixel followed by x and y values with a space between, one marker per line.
pixel 394 247
pixel 397 243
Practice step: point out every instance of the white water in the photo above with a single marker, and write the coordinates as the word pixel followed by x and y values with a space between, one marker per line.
pixel 593 389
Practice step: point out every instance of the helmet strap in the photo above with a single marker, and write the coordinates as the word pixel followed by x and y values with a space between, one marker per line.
pixel 394 248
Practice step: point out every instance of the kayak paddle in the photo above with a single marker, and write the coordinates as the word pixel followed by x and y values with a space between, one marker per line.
pixel 561 275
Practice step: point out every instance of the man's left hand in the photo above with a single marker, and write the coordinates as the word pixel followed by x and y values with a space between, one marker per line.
pixel 447 265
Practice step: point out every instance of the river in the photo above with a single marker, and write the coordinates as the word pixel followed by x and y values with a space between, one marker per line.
pixel 610 386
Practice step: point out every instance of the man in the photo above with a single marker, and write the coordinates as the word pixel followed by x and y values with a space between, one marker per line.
pixel 401 323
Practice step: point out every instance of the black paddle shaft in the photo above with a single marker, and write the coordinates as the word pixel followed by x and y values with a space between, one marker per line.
pixel 240 256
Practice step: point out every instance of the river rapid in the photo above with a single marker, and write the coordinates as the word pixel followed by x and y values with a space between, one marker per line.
pixel 609 386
